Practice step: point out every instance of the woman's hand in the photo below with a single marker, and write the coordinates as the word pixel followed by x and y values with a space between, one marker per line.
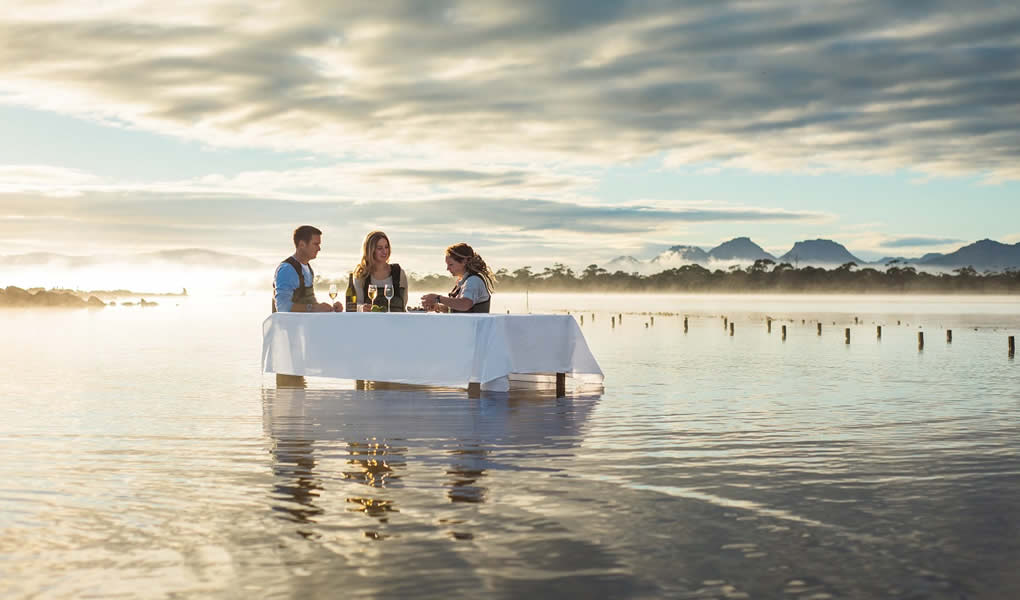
pixel 429 301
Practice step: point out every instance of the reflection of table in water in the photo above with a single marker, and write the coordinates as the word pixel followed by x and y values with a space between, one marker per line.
pixel 473 351
pixel 323 436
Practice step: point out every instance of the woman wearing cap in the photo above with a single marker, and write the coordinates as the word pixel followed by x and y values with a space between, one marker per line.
pixel 374 268
pixel 473 289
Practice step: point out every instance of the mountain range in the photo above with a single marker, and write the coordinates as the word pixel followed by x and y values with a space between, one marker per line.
pixel 983 255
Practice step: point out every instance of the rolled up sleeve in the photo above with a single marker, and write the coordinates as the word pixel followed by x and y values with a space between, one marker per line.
pixel 286 282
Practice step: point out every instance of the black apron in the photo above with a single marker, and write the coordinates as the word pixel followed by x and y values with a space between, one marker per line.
pixel 399 302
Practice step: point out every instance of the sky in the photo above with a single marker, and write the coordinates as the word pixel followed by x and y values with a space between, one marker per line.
pixel 537 131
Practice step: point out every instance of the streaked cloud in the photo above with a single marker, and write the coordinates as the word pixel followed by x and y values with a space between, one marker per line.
pixel 919 241
pixel 238 220
pixel 775 86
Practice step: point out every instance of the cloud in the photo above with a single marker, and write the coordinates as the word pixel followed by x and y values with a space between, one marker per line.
pixel 511 228
pixel 918 241
pixel 439 212
pixel 869 86
pixel 44 179
pixel 394 180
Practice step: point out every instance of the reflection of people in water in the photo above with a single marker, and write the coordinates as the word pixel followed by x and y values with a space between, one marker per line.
pixel 376 467
pixel 296 479
pixel 333 441
pixel 465 472
pixel 295 422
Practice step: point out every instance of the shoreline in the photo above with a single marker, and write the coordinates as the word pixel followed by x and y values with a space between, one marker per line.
pixel 20 298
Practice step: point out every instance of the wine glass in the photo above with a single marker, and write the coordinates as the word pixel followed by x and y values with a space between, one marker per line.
pixel 372 292
pixel 388 294
pixel 332 291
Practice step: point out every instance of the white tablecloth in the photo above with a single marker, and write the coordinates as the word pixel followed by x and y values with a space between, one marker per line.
pixel 425 349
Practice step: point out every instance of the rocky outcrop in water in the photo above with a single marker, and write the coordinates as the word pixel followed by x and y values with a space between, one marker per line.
pixel 15 297
pixel 141 302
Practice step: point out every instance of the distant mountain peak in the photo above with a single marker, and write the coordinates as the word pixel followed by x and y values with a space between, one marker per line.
pixel 681 255
pixel 739 248
pixel 819 251
pixel 983 255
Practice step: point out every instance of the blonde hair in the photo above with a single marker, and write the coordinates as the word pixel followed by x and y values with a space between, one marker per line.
pixel 473 262
pixel 364 268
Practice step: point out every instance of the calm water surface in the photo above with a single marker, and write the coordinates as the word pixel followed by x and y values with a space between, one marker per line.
pixel 143 454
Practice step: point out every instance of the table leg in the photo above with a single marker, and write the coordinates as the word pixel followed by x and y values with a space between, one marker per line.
pixel 359 384
pixel 290 381
pixel 474 390
pixel 561 385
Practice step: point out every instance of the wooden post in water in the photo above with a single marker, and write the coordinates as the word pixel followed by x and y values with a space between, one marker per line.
pixel 619 318
pixel 582 319
pixel 847 333
pixel 653 321
pixel 897 322
pixel 879 332
pixel 920 340
pixel 768 325
pixel 784 332
pixel 949 336
pixel 856 321
pixel 685 324
pixel 592 317
pixel 474 390
pixel 561 385
pixel 731 329
pixel 819 328
pixel 1012 347
pixel 725 323
pixel 612 321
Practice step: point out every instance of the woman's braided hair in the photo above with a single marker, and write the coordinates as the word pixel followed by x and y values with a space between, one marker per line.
pixel 473 262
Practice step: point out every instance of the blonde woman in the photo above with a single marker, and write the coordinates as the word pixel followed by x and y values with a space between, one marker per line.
pixel 374 268
pixel 473 289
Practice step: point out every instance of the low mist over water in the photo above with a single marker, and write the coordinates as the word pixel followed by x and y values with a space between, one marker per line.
pixel 143 452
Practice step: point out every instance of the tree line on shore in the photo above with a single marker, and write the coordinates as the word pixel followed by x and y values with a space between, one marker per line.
pixel 763 276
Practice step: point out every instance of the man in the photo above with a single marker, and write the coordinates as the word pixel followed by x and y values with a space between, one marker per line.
pixel 293 289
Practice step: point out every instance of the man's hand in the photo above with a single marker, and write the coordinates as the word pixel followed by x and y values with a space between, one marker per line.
pixel 338 307
pixel 322 307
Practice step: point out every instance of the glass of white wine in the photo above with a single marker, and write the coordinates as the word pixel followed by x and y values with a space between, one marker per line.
pixel 388 294
pixel 372 293
pixel 332 291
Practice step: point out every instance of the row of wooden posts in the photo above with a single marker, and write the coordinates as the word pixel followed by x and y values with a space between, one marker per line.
pixel 768 323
